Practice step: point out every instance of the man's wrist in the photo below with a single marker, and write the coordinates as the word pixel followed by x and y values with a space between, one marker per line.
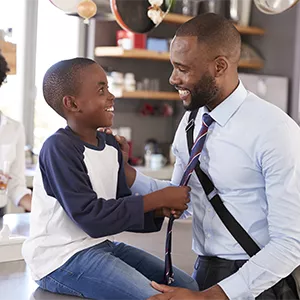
pixel 216 292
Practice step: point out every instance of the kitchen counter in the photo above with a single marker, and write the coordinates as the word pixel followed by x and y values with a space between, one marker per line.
pixel 16 282
pixel 15 279
pixel 164 173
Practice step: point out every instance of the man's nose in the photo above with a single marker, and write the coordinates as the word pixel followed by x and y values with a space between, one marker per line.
pixel 174 79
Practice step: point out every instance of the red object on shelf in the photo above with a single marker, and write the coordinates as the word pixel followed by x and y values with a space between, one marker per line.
pixel 136 40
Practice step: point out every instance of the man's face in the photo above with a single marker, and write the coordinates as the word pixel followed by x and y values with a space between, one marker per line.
pixel 192 73
pixel 95 101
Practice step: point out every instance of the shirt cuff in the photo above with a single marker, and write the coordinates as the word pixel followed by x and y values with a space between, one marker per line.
pixel 18 194
pixel 235 287
pixel 141 185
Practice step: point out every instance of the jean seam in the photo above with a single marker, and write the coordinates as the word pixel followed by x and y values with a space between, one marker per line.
pixel 66 287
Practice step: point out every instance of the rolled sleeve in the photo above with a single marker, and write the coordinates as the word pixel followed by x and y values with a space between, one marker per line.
pixel 144 185
pixel 235 287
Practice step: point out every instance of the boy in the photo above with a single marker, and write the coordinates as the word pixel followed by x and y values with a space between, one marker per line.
pixel 81 198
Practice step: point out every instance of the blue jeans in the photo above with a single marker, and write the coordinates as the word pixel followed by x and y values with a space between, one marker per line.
pixel 111 270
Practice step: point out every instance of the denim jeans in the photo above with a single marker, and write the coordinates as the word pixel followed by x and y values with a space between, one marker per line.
pixel 111 270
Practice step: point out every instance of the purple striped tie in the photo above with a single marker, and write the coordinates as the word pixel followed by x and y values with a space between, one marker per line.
pixel 194 157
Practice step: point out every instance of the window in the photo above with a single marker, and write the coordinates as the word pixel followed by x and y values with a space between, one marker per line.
pixel 58 38
pixel 10 97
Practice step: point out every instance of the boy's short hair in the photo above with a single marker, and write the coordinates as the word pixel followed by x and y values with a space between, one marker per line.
pixel 4 69
pixel 62 79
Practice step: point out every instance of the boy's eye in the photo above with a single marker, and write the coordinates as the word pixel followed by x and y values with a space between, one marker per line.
pixel 101 90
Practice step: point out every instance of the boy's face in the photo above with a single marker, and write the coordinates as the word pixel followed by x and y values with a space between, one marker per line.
pixel 95 102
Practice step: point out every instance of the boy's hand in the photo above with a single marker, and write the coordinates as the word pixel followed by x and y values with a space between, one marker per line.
pixel 176 198
pixel 167 212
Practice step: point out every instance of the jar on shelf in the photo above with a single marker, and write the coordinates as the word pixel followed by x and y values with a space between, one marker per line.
pixel 129 82
pixel 116 83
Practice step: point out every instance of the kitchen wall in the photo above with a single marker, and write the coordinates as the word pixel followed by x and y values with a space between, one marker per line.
pixel 127 110
pixel 280 48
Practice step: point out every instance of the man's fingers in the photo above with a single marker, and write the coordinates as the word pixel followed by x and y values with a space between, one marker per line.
pixel 106 130
pixel 161 287
pixel 161 297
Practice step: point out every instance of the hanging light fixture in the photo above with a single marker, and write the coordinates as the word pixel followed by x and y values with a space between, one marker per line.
pixel 87 9
pixel 273 7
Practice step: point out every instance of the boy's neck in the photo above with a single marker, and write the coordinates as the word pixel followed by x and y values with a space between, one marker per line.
pixel 87 135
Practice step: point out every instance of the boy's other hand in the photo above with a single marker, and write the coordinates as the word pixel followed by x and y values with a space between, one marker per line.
pixel 167 212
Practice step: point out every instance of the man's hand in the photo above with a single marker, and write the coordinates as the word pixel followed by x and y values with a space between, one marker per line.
pixel 175 293
pixel 122 142
pixel 124 147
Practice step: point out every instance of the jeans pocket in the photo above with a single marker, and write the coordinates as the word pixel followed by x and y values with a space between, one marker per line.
pixel 52 285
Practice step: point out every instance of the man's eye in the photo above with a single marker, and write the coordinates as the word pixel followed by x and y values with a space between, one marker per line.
pixel 101 91
pixel 181 70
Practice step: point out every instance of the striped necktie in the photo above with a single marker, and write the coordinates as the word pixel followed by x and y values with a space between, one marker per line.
pixel 194 157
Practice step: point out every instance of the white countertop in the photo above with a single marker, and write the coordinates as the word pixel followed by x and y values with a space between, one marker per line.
pixel 164 173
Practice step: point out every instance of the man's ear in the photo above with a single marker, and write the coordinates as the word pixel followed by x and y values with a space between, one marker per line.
pixel 69 103
pixel 221 65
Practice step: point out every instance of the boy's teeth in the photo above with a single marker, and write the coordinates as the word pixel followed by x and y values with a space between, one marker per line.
pixel 111 109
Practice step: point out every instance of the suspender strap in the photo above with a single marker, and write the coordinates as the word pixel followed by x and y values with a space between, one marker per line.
pixel 233 226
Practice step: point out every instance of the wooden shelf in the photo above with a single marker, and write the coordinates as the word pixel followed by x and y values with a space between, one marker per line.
pixel 8 50
pixel 180 19
pixel 134 53
pixel 119 52
pixel 150 95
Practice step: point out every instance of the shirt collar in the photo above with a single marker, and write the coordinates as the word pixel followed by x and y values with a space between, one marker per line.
pixel 224 111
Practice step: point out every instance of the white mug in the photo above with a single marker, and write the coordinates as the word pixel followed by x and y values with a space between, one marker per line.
pixel 157 161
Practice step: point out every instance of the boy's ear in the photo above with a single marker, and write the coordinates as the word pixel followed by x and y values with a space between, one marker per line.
pixel 69 103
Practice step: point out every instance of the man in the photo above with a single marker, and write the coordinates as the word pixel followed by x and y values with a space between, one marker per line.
pixel 251 154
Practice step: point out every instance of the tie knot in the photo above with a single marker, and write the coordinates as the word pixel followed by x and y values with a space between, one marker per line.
pixel 207 119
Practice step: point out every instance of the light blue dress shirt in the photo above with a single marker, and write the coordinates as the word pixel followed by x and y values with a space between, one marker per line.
pixel 252 155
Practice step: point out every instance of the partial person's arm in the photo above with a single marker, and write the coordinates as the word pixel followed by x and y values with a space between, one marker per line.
pixel 18 192
pixel 280 164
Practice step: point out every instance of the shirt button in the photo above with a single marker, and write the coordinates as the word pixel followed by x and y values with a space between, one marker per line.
pixel 209 210
pixel 208 235
pixel 136 194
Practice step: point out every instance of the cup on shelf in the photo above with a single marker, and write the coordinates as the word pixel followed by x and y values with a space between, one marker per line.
pixel 157 161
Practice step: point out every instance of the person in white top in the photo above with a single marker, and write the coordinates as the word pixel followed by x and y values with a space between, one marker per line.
pixel 12 157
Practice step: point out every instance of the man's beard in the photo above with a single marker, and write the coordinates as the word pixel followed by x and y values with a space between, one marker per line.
pixel 204 92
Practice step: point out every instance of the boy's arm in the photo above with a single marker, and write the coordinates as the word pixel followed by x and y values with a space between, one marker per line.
pixel 65 178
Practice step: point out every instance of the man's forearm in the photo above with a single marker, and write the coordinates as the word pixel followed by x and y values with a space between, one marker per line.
pixel 130 173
